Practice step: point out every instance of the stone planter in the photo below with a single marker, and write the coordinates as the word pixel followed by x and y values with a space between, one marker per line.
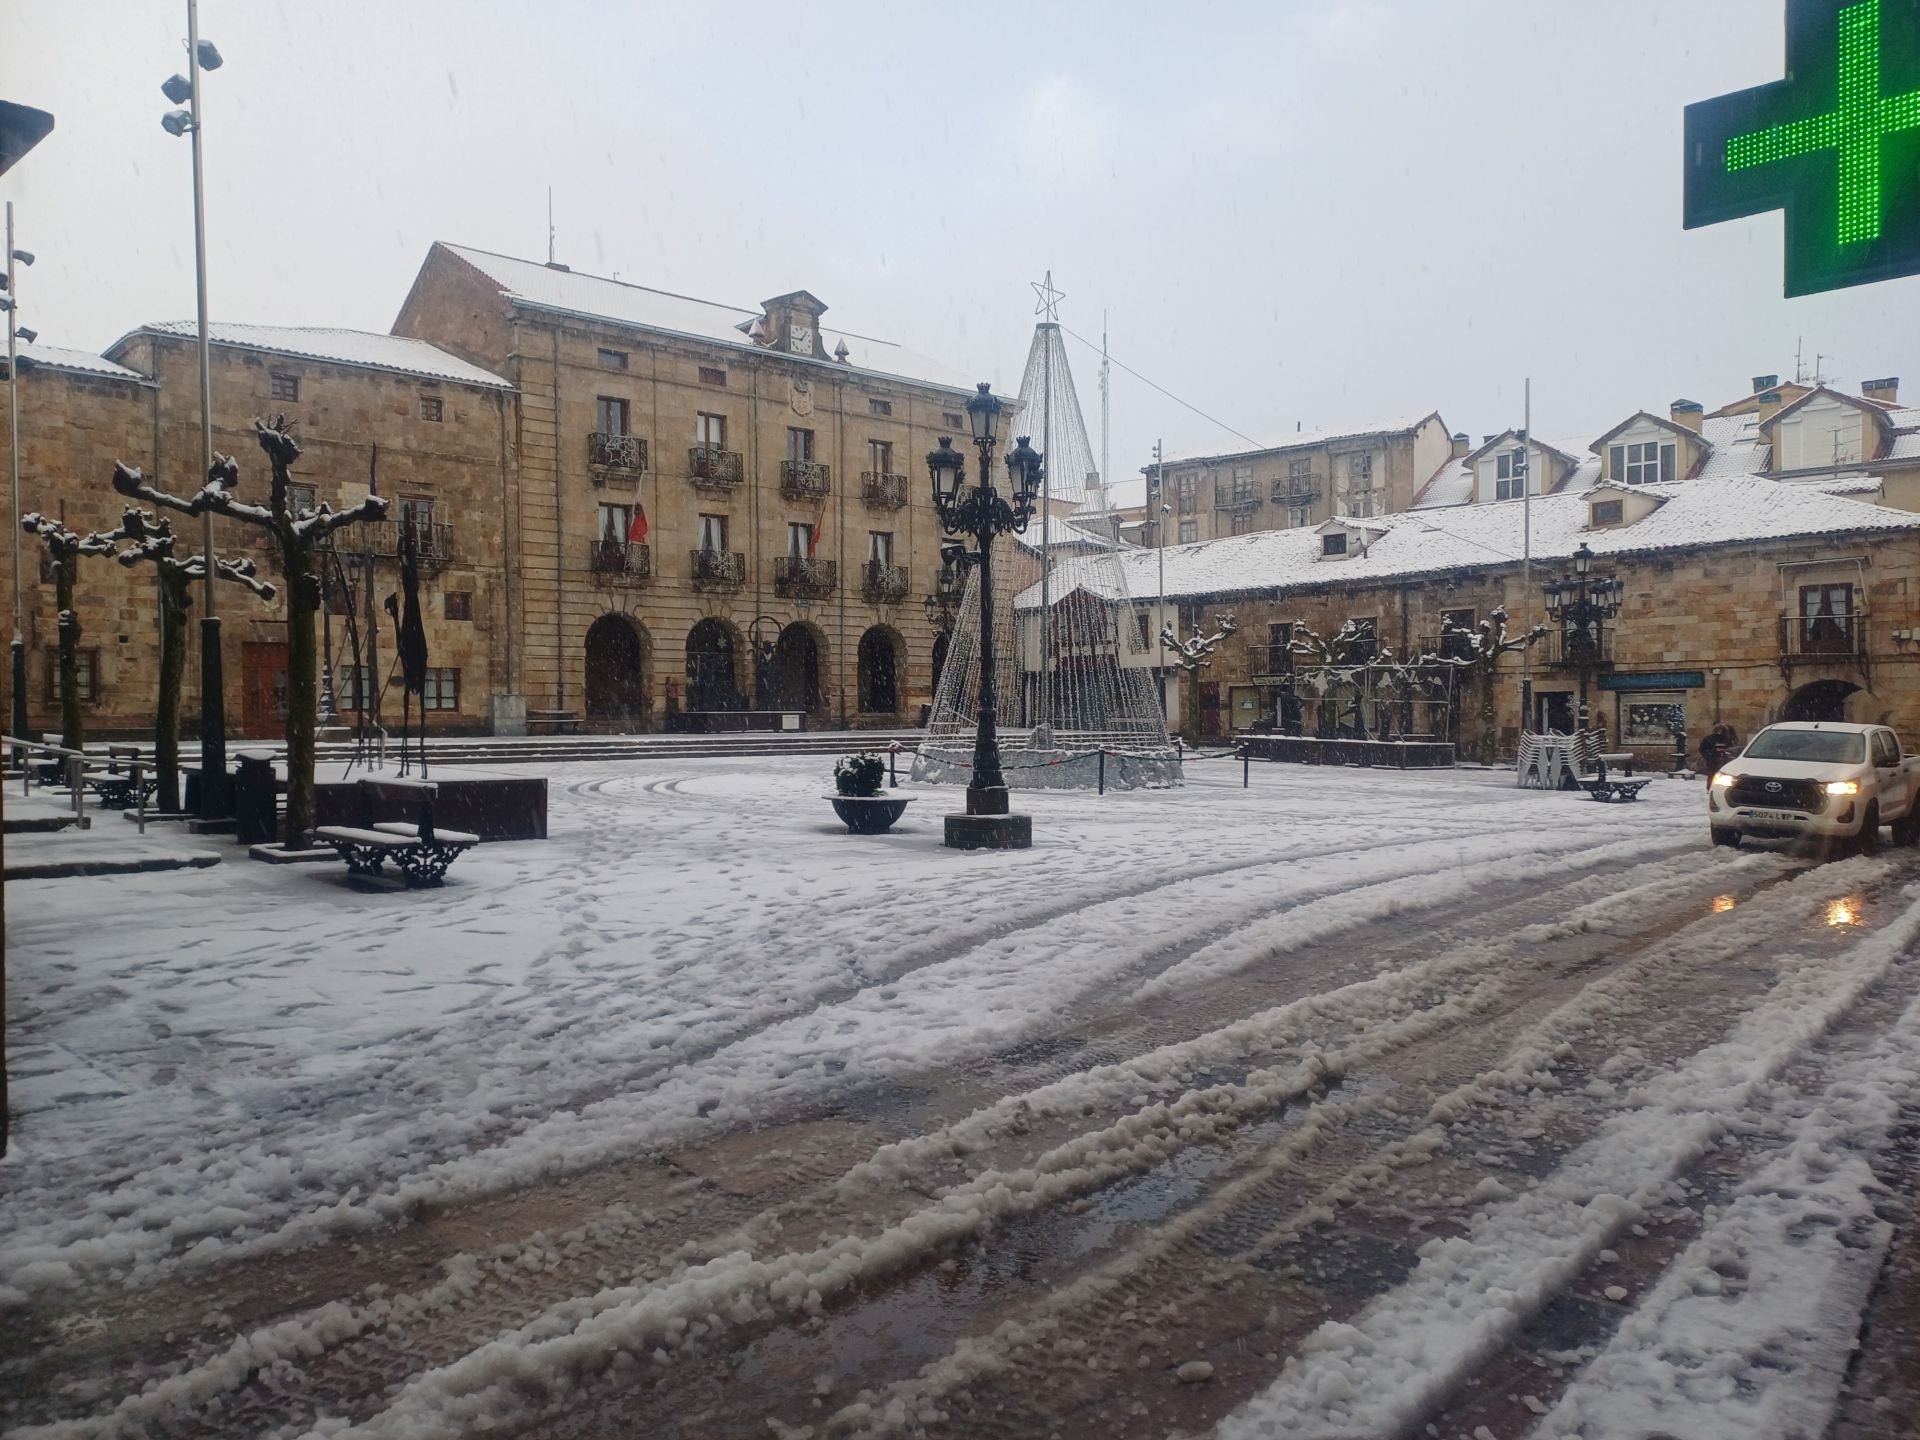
pixel 870 814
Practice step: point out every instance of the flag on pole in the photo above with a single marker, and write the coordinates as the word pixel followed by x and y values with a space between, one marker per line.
pixel 819 524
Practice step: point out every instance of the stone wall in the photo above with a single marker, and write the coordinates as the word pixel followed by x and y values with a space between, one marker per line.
pixel 1711 620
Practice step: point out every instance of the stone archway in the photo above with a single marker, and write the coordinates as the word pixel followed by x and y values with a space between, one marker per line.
pixel 1819 700
pixel 793 676
pixel 882 663
pixel 619 653
pixel 713 667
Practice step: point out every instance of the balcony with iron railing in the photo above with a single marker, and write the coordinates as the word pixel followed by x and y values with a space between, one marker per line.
pixel 1571 648
pixel 710 465
pixel 1236 502
pixel 433 542
pixel 620 562
pixel 1295 492
pixel 718 569
pixel 796 577
pixel 1271 662
pixel 1824 639
pixel 805 479
pixel 883 491
pixel 1448 645
pixel 884 584
pixel 606 451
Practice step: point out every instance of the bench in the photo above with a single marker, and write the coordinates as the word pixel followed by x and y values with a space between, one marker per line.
pixel 1612 790
pixel 120 789
pixel 422 858
pixel 558 722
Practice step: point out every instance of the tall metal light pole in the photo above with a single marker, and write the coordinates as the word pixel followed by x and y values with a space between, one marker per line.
pixel 201 56
pixel 980 512
pixel 12 303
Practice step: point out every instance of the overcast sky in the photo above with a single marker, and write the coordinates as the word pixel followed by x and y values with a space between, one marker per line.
pixel 1313 213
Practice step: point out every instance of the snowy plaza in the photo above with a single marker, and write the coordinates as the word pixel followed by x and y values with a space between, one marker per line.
pixel 1350 1102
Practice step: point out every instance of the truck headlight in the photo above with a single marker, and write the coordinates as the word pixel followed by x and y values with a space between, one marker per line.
pixel 1721 780
pixel 1843 787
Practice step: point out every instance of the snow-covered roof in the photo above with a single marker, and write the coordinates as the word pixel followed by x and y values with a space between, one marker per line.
pixel 1453 483
pixel 573 293
pixel 1300 440
pixel 80 362
pixel 1734 510
pixel 398 354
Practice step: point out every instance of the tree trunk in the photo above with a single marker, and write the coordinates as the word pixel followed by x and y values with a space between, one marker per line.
pixel 174 601
pixel 303 691
pixel 72 723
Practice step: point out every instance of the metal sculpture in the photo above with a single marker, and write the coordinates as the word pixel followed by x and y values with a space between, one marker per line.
pixel 411 642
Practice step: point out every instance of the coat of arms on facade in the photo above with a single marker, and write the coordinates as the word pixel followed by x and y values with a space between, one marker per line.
pixel 803 397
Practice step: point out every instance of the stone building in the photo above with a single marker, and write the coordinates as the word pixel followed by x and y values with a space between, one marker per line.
pixel 1371 470
pixel 718 507
pixel 443 429
pixel 1746 600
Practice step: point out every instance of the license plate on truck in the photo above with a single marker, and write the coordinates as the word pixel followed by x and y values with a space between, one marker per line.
pixel 1786 815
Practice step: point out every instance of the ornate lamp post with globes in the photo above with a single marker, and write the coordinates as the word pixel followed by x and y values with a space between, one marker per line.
pixel 981 512
pixel 1581 606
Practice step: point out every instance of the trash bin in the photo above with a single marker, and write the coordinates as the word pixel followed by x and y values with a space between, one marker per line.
pixel 254 800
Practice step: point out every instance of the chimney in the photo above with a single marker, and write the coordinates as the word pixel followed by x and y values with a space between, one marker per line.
pixel 1770 404
pixel 1764 382
pixel 1687 413
pixel 1887 391
pixel 1461 445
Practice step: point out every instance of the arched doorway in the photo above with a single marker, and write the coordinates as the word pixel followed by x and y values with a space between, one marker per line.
pixel 1820 700
pixel 880 663
pixel 618 652
pixel 940 657
pixel 713 667
pixel 793 677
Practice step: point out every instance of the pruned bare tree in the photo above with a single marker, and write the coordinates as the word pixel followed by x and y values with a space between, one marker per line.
pixel 151 540
pixel 64 549
pixel 297 534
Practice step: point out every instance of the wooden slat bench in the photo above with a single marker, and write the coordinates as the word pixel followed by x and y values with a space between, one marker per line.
pixel 558 722
pixel 422 858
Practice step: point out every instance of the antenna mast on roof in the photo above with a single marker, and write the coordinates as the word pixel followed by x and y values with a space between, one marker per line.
pixel 549 225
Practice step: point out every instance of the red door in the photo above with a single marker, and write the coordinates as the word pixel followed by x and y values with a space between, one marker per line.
pixel 263 679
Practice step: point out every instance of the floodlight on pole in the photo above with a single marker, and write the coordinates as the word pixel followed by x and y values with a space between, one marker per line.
pixel 26 334
pixel 25 257
pixel 202 55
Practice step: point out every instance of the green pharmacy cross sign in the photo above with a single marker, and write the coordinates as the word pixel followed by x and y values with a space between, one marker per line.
pixel 1836 145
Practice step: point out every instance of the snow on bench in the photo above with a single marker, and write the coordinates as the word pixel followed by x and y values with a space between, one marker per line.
pixel 422 859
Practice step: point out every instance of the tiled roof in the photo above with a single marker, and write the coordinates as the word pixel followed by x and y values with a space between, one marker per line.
pixel 574 293
pixel 84 362
pixel 396 353
pixel 1729 511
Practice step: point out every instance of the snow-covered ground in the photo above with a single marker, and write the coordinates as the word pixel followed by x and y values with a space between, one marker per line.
pixel 705 1111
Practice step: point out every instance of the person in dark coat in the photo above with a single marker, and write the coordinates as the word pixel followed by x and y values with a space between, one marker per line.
pixel 1716 748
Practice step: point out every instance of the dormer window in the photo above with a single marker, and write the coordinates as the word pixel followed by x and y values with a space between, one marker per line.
pixel 1641 463
pixel 1510 477
pixel 1334 546
pixel 1602 513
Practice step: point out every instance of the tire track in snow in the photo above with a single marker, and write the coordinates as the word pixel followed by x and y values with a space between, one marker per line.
pixel 535 1283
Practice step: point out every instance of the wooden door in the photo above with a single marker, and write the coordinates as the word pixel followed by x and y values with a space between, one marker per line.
pixel 263 681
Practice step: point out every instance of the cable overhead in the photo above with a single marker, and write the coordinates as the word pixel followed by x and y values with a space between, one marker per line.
pixel 1211 420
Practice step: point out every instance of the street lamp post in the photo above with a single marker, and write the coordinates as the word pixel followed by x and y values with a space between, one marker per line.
pixel 1581 606
pixel 201 56
pixel 9 304
pixel 981 512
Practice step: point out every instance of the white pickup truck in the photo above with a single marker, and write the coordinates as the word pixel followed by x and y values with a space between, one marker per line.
pixel 1818 779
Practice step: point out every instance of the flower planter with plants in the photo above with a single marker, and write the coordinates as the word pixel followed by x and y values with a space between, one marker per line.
pixel 860 801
